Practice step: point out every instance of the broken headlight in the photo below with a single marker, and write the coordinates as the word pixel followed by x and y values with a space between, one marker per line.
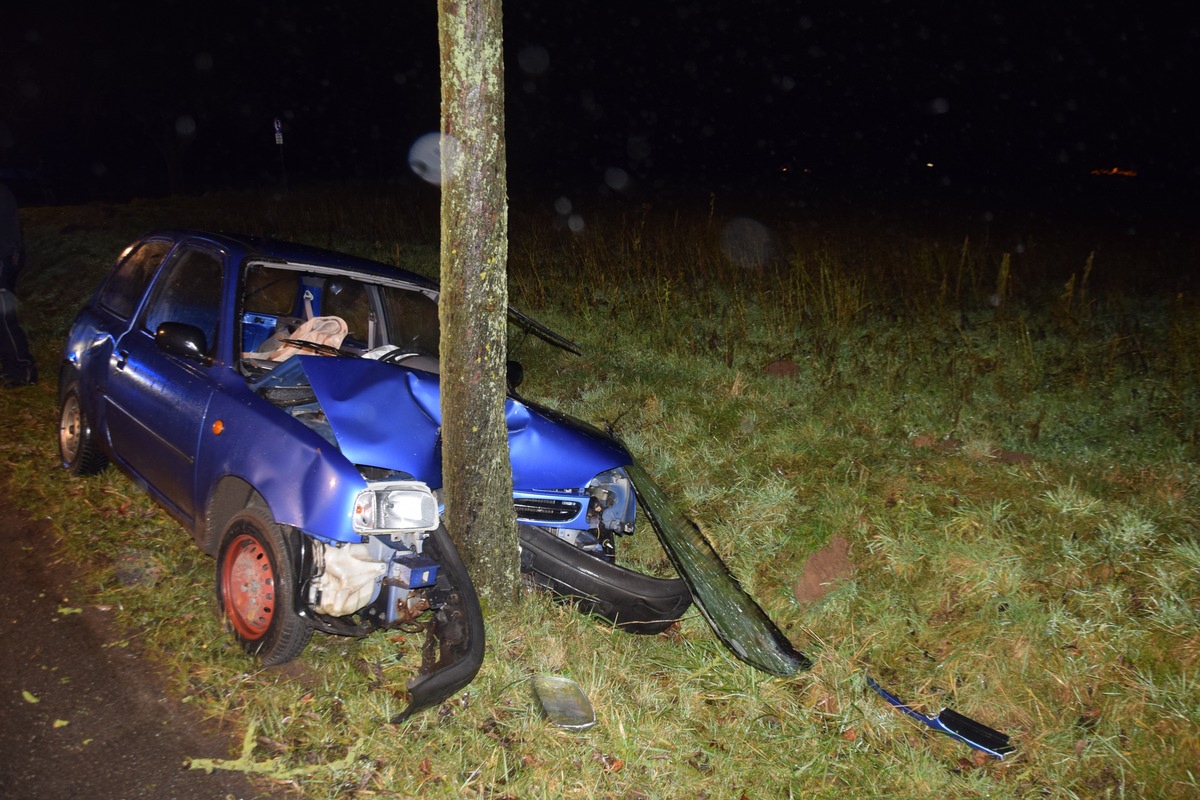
pixel 395 507
pixel 612 507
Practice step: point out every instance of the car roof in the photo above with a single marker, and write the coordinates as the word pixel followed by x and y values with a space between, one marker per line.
pixel 245 247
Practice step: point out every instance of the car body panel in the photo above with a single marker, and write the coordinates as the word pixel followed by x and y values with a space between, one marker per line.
pixel 389 416
pixel 154 405
pixel 301 477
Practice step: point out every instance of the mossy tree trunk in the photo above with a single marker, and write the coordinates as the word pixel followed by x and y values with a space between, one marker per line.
pixel 477 477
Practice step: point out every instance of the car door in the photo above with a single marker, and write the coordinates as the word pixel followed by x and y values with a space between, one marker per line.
pixel 155 400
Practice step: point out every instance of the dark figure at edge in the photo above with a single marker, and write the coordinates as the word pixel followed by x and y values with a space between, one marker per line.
pixel 15 358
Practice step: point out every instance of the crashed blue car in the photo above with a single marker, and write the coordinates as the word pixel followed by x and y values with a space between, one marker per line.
pixel 281 402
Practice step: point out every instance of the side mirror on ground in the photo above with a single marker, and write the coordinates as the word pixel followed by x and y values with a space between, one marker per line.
pixel 180 339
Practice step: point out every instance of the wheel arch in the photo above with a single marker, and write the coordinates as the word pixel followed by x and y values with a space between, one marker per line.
pixel 67 372
pixel 231 495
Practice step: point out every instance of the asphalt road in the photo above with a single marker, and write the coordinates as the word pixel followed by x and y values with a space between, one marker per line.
pixel 78 716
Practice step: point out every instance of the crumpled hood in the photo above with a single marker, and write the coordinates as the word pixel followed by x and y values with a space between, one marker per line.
pixel 386 415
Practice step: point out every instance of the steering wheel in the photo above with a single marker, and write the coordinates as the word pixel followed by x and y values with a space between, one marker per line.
pixel 316 347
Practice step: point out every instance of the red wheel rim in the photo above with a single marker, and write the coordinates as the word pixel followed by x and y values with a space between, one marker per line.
pixel 248 587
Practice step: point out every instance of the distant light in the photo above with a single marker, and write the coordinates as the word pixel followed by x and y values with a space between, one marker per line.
pixel 929 163
pixel 1124 173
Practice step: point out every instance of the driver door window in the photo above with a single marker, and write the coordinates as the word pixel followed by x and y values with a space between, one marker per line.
pixel 189 291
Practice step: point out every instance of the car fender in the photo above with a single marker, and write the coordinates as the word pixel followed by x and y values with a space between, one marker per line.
pixel 85 358
pixel 304 480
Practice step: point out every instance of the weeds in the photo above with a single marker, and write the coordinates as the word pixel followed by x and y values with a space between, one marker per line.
pixel 1007 440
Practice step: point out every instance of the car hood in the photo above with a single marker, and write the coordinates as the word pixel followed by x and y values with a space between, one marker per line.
pixel 389 416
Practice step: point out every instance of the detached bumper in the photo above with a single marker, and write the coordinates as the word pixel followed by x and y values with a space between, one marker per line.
pixel 630 600
pixel 453 651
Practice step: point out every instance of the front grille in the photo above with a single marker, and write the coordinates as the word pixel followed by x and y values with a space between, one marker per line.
pixel 535 509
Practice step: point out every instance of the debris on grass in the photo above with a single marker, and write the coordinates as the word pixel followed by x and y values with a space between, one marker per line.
pixel 272 767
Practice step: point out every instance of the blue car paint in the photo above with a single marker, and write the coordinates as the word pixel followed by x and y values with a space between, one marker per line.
pixel 154 407
pixel 374 416
pixel 303 479
pixel 382 415
pixel 388 416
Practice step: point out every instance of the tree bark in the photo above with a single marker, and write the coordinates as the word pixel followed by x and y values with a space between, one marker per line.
pixel 477 474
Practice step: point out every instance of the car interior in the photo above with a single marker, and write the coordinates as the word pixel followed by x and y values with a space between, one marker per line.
pixel 335 314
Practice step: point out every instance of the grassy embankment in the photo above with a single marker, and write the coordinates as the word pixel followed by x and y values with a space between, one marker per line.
pixel 1007 441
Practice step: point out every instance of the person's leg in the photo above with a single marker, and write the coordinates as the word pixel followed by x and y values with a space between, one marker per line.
pixel 15 358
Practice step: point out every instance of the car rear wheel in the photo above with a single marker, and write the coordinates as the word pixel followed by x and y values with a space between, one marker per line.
pixel 77 445
pixel 256 588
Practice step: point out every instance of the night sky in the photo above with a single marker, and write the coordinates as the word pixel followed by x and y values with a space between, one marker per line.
pixel 990 103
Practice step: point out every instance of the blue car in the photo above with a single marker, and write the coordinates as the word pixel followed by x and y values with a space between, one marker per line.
pixel 281 402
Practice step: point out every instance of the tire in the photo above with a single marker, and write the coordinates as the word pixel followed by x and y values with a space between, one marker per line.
pixel 256 588
pixel 77 446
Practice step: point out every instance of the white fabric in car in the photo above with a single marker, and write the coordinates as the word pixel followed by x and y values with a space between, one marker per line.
pixel 319 330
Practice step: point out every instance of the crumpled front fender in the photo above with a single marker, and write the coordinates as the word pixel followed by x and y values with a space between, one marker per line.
pixel 453 651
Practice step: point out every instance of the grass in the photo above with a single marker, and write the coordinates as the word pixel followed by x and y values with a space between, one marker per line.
pixel 1008 440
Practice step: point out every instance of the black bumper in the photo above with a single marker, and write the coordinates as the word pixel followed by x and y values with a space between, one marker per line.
pixel 453 651
pixel 630 600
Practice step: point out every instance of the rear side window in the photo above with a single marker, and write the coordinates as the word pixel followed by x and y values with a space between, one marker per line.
pixel 189 291
pixel 270 291
pixel 128 282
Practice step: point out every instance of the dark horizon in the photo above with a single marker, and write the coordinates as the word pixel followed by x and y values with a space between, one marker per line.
pixel 993 107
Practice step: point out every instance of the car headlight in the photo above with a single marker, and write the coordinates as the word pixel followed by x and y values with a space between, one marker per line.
pixel 613 507
pixel 395 507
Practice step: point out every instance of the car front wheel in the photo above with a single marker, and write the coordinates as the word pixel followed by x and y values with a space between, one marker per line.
pixel 256 588
pixel 77 445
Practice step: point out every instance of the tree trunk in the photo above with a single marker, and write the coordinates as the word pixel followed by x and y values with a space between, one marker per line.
pixel 477 475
